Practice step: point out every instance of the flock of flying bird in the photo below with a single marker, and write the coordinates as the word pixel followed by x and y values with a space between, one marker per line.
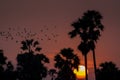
pixel 25 33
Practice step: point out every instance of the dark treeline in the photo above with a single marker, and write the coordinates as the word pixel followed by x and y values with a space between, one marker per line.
pixel 108 71
pixel 31 64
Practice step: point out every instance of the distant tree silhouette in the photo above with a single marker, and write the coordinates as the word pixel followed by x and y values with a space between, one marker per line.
pixel 108 71
pixel 2 58
pixel 6 68
pixel 31 62
pixel 52 73
pixel 10 73
pixel 89 28
pixel 65 62
pixel 2 62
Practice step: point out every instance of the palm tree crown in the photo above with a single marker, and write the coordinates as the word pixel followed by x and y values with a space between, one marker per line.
pixel 89 27
pixel 66 61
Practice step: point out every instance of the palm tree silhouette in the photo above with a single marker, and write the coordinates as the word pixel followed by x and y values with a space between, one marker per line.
pixel 65 62
pixel 95 29
pixel 108 71
pixel 31 62
pixel 89 29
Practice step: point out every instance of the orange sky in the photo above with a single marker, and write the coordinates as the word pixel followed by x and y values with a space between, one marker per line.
pixel 34 15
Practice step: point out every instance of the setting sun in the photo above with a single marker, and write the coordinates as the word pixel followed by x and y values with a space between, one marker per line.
pixel 80 73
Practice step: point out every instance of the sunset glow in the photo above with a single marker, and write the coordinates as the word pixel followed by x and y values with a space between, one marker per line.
pixel 80 73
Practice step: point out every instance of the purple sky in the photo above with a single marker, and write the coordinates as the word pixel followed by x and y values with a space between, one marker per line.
pixel 36 14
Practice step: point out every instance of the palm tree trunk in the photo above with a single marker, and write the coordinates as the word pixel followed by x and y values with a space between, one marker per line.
pixel 86 68
pixel 94 60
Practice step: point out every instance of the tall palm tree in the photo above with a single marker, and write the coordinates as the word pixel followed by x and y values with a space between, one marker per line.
pixel 95 27
pixel 89 28
pixel 81 29
pixel 66 61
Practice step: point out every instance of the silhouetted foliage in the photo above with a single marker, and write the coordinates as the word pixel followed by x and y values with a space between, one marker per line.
pixel 2 58
pixel 30 46
pixel 108 71
pixel 31 62
pixel 65 62
pixel 89 28
pixel 6 68
pixel 2 62
pixel 52 73
pixel 10 73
